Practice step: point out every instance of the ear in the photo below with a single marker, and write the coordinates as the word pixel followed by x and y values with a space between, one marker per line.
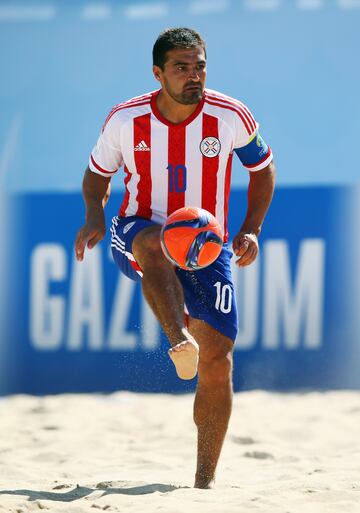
pixel 157 73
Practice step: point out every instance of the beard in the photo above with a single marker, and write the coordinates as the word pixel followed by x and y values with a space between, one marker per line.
pixel 186 97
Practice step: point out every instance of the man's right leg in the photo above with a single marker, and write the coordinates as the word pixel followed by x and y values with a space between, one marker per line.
pixel 164 294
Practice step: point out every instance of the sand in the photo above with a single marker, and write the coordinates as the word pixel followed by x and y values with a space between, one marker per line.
pixel 127 452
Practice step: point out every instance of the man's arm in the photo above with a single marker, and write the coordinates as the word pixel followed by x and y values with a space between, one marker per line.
pixel 96 191
pixel 260 192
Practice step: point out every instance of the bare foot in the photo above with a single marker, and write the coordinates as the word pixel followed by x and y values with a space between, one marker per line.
pixel 185 357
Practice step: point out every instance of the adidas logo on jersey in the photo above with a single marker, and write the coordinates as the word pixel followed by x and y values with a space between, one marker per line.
pixel 142 146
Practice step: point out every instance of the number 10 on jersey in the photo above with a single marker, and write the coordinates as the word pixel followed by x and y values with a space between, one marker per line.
pixel 177 178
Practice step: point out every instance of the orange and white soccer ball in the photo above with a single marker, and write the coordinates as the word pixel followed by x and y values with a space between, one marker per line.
pixel 191 238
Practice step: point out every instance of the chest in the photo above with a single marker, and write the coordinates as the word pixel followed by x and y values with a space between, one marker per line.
pixel 148 141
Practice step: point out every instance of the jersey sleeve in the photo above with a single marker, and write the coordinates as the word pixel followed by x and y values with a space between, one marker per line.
pixel 249 146
pixel 106 157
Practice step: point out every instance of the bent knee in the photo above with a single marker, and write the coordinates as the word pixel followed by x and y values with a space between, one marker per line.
pixel 216 371
pixel 147 249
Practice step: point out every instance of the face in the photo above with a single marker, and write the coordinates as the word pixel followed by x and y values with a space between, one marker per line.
pixel 184 74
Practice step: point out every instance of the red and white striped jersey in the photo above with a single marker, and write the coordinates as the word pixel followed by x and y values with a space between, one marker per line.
pixel 168 166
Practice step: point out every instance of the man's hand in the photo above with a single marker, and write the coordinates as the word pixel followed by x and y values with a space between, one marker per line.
pixel 89 235
pixel 246 247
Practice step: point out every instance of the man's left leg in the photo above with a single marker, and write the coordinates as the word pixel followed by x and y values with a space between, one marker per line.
pixel 213 400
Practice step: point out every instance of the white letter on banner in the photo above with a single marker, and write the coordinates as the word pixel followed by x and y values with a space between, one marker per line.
pixel 87 302
pixel 119 339
pixel 246 283
pixel 298 307
pixel 48 263
pixel 150 328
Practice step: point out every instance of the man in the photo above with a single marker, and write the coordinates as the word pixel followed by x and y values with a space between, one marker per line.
pixel 176 145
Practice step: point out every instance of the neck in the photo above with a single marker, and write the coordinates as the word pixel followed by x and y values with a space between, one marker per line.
pixel 172 110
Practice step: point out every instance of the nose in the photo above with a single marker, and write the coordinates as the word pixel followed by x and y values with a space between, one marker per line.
pixel 193 74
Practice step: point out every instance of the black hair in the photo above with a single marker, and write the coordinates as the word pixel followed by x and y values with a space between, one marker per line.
pixel 171 38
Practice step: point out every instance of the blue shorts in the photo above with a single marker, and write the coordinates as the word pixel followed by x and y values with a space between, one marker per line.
pixel 209 292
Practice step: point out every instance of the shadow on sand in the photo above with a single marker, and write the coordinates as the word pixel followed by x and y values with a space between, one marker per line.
pixel 79 492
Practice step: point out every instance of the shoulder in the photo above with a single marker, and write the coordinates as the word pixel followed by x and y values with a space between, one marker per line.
pixel 130 108
pixel 215 96
pixel 238 110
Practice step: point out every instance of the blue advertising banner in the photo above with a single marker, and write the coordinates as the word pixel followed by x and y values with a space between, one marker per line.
pixel 76 327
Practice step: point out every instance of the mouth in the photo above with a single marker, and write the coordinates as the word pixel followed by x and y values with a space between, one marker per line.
pixel 193 88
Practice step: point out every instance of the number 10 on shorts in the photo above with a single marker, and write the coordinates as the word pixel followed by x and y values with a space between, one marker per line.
pixel 223 297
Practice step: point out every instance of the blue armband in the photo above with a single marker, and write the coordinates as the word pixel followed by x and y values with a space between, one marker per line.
pixel 255 153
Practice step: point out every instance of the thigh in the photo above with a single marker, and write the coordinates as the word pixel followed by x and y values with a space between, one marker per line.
pixel 147 248
pixel 209 295
pixel 123 232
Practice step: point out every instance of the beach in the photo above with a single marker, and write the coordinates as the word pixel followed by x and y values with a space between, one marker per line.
pixel 127 452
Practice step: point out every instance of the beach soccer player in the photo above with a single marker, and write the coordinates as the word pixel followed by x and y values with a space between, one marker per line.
pixel 176 146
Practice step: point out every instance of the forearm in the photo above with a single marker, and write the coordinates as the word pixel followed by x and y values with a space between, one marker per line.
pixel 260 193
pixel 96 190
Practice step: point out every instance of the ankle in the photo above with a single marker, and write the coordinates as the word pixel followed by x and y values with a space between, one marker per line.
pixel 204 482
pixel 179 336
